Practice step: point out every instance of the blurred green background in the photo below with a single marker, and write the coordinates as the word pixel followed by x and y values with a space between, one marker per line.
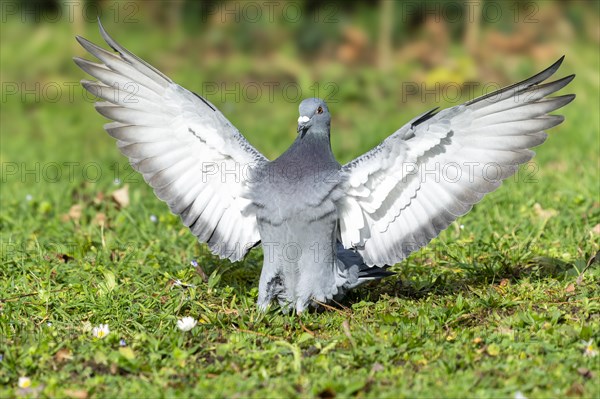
pixel 378 64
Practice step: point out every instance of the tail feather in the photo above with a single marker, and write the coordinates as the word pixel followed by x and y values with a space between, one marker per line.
pixel 374 273
pixel 353 271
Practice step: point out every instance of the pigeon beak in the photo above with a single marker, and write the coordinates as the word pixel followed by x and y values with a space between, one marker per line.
pixel 302 121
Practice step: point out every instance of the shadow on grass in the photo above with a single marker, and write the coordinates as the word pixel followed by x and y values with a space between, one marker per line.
pixel 418 280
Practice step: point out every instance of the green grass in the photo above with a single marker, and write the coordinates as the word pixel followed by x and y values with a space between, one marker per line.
pixel 495 307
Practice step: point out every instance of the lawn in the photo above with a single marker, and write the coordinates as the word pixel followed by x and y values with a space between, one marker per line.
pixel 499 304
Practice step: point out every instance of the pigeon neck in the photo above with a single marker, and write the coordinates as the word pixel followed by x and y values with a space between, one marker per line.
pixel 315 136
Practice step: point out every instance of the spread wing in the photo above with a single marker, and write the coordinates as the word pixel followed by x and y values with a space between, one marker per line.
pixel 401 194
pixel 190 154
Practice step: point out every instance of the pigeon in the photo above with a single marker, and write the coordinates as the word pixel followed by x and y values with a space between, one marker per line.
pixel 325 228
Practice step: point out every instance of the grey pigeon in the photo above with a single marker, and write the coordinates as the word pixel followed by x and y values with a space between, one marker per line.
pixel 325 228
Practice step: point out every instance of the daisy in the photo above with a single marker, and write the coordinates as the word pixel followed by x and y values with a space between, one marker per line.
pixel 589 350
pixel 24 382
pixel 187 323
pixel 101 331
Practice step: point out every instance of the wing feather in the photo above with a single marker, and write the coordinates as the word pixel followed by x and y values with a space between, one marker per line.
pixel 178 141
pixel 433 169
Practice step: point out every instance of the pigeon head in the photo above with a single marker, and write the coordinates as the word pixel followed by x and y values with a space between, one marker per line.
pixel 314 117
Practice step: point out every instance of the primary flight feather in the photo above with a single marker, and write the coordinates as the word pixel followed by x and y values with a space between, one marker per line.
pixel 325 228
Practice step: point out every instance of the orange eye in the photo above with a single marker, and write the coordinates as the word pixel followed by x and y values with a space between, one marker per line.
pixel 319 110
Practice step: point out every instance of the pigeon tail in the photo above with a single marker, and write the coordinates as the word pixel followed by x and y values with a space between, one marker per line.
pixel 354 272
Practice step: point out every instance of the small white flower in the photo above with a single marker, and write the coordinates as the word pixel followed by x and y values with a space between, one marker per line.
pixel 117 181
pixel 194 263
pixel 153 218
pixel 519 395
pixel 179 283
pixel 28 197
pixel 101 331
pixel 187 323
pixel 589 350
pixel 462 226
pixel 24 382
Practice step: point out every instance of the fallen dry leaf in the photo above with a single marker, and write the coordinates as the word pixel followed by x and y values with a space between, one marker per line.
pixel 596 229
pixel 346 328
pixel 63 355
pixel 202 273
pixel 377 367
pixel 505 330
pixel 76 393
pixel 576 389
pixel 64 257
pixel 74 214
pixel 544 213
pixel 32 392
pixel 121 196
pixel 99 198
pixel 100 219
pixel 570 288
pixel 587 373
